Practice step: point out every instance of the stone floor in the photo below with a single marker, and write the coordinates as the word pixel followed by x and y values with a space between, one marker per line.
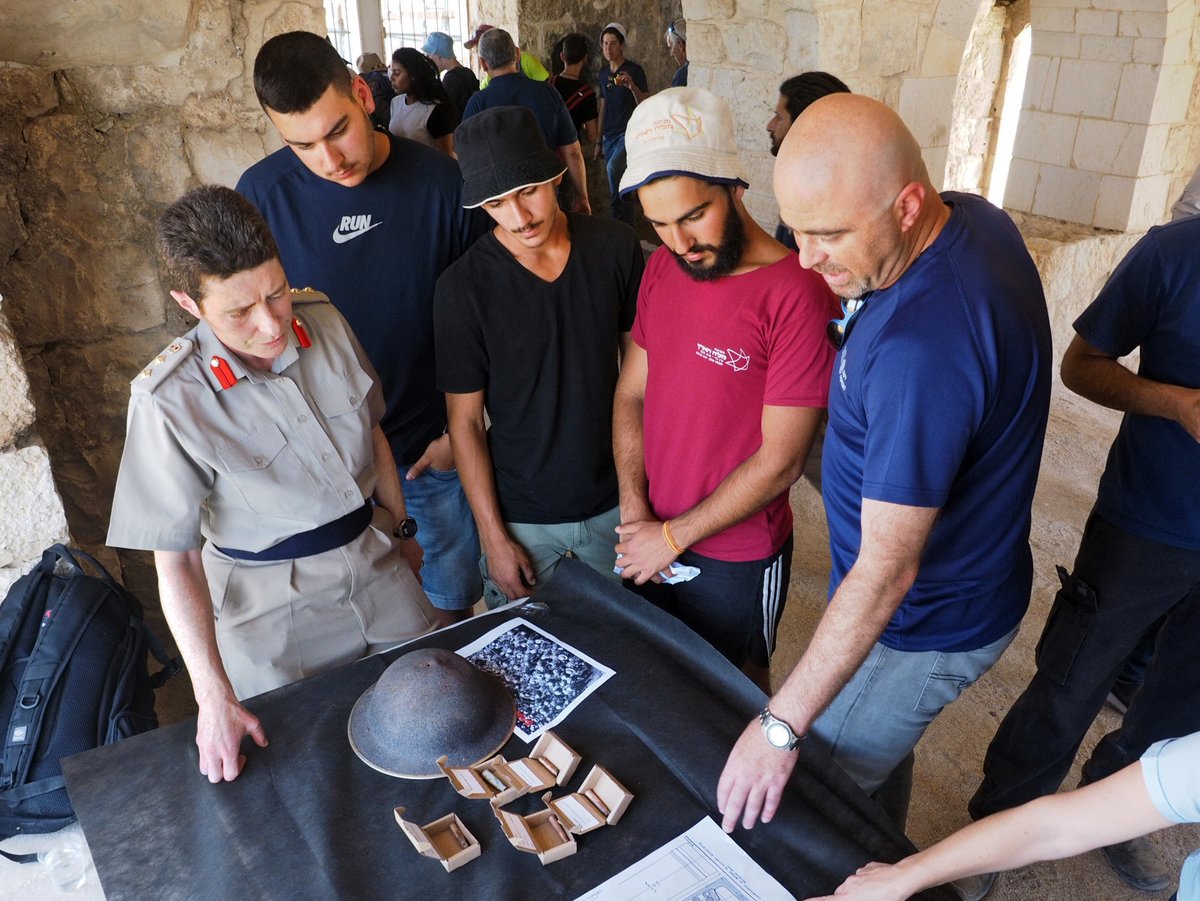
pixel 948 759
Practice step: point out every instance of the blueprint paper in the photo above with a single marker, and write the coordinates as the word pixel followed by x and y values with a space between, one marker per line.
pixel 703 864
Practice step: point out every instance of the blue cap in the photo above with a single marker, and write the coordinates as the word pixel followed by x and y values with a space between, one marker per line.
pixel 439 44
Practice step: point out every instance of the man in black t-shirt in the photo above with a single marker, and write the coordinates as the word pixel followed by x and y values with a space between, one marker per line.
pixel 528 324
pixel 578 94
pixel 459 81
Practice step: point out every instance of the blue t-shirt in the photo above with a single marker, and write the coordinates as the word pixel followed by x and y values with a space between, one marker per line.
pixel 939 398
pixel 1152 301
pixel 679 79
pixel 1171 772
pixel 540 97
pixel 377 250
pixel 619 102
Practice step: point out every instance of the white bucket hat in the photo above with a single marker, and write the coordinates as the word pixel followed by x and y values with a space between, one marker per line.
pixel 681 131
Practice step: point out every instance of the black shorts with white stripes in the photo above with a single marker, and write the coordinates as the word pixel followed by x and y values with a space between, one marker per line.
pixel 735 607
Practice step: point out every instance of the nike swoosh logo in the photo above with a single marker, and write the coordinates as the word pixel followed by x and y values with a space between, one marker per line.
pixel 343 237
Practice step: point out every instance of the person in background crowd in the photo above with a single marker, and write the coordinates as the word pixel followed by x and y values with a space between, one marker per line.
pixel 499 55
pixel 580 98
pixel 375 74
pixel 531 67
pixel 373 220
pixel 421 110
pixel 577 93
pixel 459 81
pixel 677 47
pixel 622 87
pixel 795 94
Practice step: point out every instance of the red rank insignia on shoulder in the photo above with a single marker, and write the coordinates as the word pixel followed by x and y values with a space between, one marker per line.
pixel 301 333
pixel 224 374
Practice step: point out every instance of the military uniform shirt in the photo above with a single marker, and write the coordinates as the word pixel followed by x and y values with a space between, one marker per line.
pixel 275 454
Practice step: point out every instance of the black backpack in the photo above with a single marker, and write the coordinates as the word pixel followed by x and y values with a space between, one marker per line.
pixel 73 676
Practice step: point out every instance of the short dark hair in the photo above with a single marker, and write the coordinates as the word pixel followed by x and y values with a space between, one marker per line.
pixel 211 232
pixel 496 48
pixel 801 90
pixel 293 70
pixel 575 48
pixel 610 30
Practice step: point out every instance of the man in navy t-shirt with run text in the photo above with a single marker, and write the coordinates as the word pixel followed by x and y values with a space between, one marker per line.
pixel 372 220
pixel 937 413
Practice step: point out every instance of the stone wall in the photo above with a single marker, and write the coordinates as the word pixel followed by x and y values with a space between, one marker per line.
pixel 101 129
pixel 31 512
pixel 1108 129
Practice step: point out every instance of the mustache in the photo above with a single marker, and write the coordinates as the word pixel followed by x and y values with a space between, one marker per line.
pixel 697 248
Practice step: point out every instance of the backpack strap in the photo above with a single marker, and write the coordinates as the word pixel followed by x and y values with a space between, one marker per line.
pixel 19 858
pixel 171 666
pixel 579 96
pixel 29 590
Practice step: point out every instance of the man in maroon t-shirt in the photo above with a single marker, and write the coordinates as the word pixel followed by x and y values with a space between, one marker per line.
pixel 722 390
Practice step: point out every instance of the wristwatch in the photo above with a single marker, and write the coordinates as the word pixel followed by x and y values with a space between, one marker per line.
pixel 778 733
pixel 406 528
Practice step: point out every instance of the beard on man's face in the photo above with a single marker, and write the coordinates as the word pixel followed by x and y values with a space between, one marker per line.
pixel 727 254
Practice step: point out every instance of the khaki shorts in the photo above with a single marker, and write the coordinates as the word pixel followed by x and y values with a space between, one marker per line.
pixel 279 621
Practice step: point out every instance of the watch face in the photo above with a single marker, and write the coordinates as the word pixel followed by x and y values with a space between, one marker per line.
pixel 778 735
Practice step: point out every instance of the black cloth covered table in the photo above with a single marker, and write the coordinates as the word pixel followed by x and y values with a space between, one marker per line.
pixel 307 819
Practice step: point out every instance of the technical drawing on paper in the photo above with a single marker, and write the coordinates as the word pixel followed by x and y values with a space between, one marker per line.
pixel 703 864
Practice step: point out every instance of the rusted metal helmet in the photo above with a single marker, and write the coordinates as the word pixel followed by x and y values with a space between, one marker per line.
pixel 428 703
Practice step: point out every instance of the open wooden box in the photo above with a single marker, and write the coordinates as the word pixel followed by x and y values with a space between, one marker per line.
pixel 438 839
pixel 552 762
pixel 575 814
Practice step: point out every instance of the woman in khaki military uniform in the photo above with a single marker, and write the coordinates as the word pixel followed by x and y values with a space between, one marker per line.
pixel 255 469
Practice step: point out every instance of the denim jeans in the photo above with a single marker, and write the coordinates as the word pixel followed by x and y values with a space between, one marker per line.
pixel 1123 587
pixel 614 164
pixel 592 540
pixel 874 723
pixel 447 535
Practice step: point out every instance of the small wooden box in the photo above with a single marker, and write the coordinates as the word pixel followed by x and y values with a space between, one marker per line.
pixel 577 813
pixel 552 762
pixel 437 840
pixel 536 835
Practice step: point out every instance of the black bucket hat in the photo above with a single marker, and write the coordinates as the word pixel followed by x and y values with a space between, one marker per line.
pixel 501 150
pixel 428 703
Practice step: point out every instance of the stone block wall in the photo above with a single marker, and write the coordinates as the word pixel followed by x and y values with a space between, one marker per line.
pixel 1108 133
pixel 105 120
pixel 31 512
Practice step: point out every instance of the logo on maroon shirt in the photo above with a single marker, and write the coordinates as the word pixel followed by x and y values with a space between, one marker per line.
pixel 738 360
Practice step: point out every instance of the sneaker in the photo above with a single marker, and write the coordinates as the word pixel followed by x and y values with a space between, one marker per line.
pixel 1138 862
pixel 973 888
